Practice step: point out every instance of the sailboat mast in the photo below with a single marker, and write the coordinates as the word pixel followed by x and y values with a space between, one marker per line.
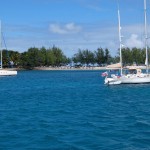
pixel 1 42
pixel 120 41
pixel 145 19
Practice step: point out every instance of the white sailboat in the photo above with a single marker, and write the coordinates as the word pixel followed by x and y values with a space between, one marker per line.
pixel 135 76
pixel 4 72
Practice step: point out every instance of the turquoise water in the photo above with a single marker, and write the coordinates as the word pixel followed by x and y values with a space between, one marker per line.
pixel 72 110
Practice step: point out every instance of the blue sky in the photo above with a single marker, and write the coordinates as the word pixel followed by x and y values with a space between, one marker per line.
pixel 72 24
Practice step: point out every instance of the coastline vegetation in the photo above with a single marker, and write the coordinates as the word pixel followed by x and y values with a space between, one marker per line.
pixel 54 57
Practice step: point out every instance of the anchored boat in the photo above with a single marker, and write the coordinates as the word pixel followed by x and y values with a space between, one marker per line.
pixel 134 75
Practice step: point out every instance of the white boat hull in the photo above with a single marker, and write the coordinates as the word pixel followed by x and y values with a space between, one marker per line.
pixel 135 80
pixel 7 73
pixel 129 79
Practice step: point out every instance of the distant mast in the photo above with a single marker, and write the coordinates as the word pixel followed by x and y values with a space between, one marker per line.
pixel 145 19
pixel 120 41
pixel 1 42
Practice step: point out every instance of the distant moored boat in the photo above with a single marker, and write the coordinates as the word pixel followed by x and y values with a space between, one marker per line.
pixel 4 72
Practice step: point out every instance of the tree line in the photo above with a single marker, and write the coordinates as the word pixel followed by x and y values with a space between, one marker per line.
pixel 35 57
pixel 103 57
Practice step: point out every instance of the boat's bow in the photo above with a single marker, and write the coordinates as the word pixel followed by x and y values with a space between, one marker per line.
pixel 111 81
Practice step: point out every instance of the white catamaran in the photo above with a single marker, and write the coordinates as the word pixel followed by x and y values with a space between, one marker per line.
pixel 4 72
pixel 135 75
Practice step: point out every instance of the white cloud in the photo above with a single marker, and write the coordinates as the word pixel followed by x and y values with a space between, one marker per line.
pixel 57 29
pixel 70 37
pixel 64 29
pixel 134 41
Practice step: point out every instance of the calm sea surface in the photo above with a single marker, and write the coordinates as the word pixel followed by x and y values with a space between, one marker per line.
pixel 72 110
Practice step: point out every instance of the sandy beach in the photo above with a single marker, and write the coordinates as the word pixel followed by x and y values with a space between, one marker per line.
pixel 69 68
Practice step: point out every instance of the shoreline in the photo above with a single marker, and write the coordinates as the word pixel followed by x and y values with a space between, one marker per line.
pixel 56 68
pixel 69 68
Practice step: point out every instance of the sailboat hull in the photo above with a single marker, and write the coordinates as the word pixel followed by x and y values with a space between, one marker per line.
pixel 129 79
pixel 7 72
pixel 135 80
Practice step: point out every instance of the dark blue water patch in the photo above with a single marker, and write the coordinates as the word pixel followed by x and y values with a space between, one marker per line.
pixel 72 110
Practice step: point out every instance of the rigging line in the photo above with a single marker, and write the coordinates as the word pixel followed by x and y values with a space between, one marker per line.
pixel 5 47
pixel 4 40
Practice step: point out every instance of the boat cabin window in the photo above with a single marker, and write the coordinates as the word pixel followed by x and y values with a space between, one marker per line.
pixel 115 72
pixel 133 71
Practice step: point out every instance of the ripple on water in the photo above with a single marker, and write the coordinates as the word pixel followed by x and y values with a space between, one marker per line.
pixel 72 110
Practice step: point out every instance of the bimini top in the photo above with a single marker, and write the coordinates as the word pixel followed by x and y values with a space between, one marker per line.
pixel 114 66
